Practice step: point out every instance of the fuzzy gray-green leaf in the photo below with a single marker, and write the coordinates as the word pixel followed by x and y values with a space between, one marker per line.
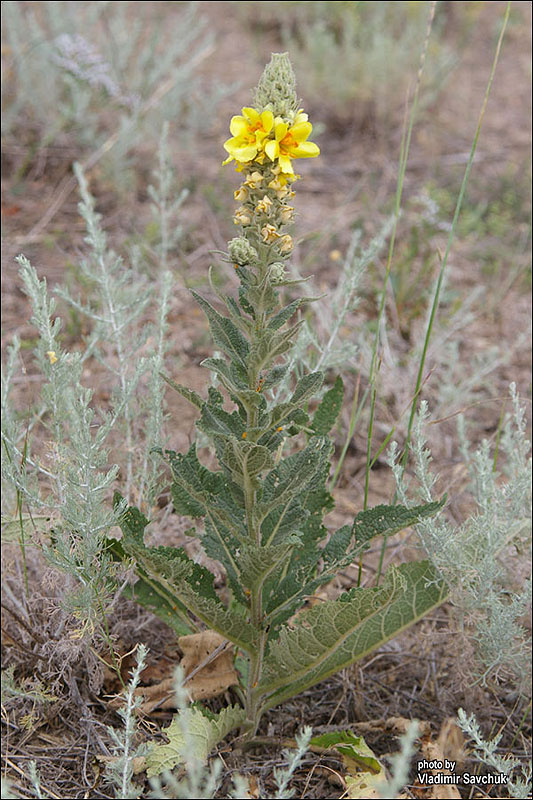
pixel 329 408
pixel 387 520
pixel 334 634
pixel 225 334
pixel 307 387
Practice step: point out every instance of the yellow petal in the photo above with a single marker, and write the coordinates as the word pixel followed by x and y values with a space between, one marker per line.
pixel 305 150
pixel 251 114
pixel 230 144
pixel 245 153
pixel 301 131
pixel 272 149
pixel 267 119
pixel 285 164
pixel 280 128
pixel 238 126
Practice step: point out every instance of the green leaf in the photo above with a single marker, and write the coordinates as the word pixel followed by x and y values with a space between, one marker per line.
pixel 257 562
pixel 246 459
pixel 272 345
pixel 215 420
pixel 184 504
pixel 192 733
pixel 339 547
pixel 222 369
pixel 365 772
pixel 275 375
pixel 189 394
pixel 355 752
pixel 282 521
pixel 181 578
pixel 153 596
pixel 225 334
pixel 387 520
pixel 194 485
pixel 307 387
pixel 148 592
pixel 334 634
pixel 285 314
pixel 329 408
pixel 219 543
pixel 294 474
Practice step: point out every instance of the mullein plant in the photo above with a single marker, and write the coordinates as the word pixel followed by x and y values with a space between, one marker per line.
pixel 260 513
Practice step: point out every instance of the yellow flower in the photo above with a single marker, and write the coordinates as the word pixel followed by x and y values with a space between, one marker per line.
pixel 52 356
pixel 264 205
pixel 269 233
pixel 286 243
pixel 291 142
pixel 249 132
pixel 242 216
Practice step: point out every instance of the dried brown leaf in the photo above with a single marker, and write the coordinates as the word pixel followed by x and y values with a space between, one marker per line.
pixel 208 664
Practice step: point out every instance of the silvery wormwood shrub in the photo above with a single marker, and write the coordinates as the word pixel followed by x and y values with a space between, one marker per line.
pixel 260 514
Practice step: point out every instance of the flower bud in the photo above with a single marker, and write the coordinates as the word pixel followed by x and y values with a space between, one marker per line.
pixel 276 89
pixel 277 272
pixel 241 251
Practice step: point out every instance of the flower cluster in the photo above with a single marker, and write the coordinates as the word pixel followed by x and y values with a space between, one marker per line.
pixel 260 135
pixel 263 145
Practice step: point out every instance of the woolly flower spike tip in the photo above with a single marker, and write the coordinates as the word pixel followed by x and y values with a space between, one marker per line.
pixel 265 139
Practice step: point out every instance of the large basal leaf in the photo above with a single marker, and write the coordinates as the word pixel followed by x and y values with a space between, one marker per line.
pixel 194 734
pixel 193 585
pixel 151 594
pixel 154 597
pixel 334 634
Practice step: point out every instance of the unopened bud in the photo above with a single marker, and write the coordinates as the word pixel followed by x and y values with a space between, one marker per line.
pixel 277 272
pixel 241 251
pixel 276 89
